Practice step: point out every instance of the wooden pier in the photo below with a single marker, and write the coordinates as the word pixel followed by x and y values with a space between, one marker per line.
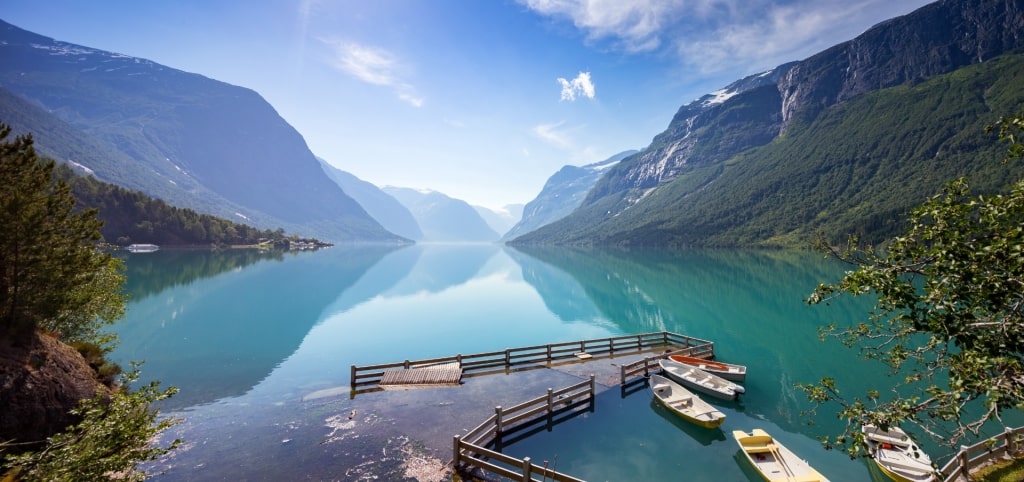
pixel 406 373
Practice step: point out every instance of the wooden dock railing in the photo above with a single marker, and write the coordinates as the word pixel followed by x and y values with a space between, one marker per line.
pixel 471 449
pixel 372 374
pixel 1010 443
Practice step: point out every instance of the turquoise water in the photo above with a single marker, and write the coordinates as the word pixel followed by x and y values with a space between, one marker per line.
pixel 261 346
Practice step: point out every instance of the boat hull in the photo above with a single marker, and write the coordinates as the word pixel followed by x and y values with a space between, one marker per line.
pixel 701 381
pixel 728 371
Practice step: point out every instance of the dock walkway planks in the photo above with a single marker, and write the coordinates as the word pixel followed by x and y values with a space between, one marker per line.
pixel 445 374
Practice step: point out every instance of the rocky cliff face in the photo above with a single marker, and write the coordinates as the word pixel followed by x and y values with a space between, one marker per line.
pixel 935 39
pixel 40 381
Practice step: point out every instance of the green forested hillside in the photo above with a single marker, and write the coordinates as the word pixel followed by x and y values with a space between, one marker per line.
pixel 855 168
pixel 132 217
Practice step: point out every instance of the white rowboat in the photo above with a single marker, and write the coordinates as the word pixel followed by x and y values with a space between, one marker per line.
pixel 898 455
pixel 700 380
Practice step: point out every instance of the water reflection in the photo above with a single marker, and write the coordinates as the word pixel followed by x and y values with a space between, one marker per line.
pixel 277 336
pixel 216 329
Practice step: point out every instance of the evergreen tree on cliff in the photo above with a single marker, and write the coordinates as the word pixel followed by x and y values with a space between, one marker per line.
pixel 51 274
pixel 54 279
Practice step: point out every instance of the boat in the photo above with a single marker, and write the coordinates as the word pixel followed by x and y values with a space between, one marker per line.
pixel 773 460
pixel 685 403
pixel 700 380
pixel 728 371
pixel 143 248
pixel 898 455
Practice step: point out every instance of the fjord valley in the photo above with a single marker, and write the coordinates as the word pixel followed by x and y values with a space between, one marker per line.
pixel 708 231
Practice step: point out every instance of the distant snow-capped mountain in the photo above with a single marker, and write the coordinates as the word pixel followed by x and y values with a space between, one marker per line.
pixel 562 193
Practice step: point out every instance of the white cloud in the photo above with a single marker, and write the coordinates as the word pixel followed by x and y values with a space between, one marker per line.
pixel 720 35
pixel 637 24
pixel 580 86
pixel 373 65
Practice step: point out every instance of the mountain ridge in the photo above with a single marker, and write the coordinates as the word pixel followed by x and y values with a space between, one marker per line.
pixel 660 196
pixel 193 141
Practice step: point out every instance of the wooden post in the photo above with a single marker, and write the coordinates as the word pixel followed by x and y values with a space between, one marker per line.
pixel 1008 436
pixel 965 469
pixel 353 379
pixel 458 358
pixel 549 353
pixel 639 342
pixel 527 466
pixel 622 374
pixel 456 452
pixel 406 365
pixel 497 421
pixel 611 346
pixel 551 402
pixel 508 358
pixel 592 392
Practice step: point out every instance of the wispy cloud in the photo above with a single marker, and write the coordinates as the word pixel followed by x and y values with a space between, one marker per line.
pixel 553 134
pixel 580 86
pixel 373 65
pixel 719 35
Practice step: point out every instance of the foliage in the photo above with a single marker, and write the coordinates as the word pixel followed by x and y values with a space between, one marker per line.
pixel 949 315
pixel 52 276
pixel 115 434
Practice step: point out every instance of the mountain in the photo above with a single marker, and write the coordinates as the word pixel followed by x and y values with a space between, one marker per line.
pixel 192 141
pixel 381 206
pixel 562 193
pixel 442 218
pixel 501 220
pixel 843 142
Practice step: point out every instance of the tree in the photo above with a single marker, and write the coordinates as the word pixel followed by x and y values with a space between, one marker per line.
pixel 52 276
pixel 949 315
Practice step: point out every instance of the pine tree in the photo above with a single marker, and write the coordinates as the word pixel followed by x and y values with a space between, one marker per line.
pixel 52 276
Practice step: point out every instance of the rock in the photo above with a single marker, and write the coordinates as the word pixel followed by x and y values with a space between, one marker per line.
pixel 41 380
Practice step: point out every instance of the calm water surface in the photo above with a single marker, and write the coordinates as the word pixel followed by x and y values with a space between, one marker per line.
pixel 261 347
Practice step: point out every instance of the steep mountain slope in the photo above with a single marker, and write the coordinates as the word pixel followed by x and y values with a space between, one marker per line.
pixel 692 186
pixel 442 218
pixel 562 193
pixel 386 210
pixel 193 141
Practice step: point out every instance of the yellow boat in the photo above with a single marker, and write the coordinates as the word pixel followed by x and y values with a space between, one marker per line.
pixel 773 460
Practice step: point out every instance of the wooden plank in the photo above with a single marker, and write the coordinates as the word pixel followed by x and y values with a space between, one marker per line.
pixel 445 374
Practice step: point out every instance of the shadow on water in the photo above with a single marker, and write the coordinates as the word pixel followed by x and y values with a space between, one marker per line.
pixel 217 330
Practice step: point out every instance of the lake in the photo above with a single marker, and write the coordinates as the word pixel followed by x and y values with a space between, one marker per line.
pixel 261 344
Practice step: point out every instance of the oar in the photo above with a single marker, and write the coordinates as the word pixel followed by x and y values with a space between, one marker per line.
pixel 778 459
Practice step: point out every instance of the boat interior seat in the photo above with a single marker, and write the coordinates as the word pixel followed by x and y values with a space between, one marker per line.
pixel 758 444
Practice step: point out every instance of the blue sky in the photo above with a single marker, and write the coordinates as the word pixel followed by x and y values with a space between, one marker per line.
pixel 479 99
